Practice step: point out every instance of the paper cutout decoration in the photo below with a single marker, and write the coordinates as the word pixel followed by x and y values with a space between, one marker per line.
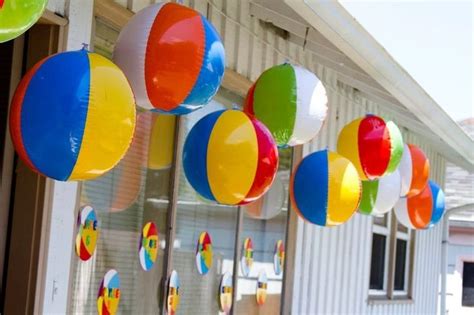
pixel 246 261
pixel 161 146
pixel 262 283
pixel 87 233
pixel 109 294
pixel 421 211
pixel 72 116
pixel 414 171
pixel 148 250
pixel 230 158
pixel 225 293
pixel 173 293
pixel 17 16
pixel 380 196
pixel 270 204
pixel 325 189
pixel 173 58
pixel 374 146
pixel 291 101
pixel 279 257
pixel 204 253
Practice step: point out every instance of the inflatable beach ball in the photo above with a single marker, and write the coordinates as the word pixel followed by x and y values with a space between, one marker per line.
pixel 17 16
pixel 414 171
pixel 72 116
pixel 380 195
pixel 421 211
pixel 291 101
pixel 374 146
pixel 325 189
pixel 173 58
pixel 230 158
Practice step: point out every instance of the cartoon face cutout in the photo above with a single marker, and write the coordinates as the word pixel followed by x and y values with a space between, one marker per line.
pixel 173 293
pixel 204 253
pixel 87 233
pixel 109 294
pixel 246 261
pixel 225 293
pixel 148 246
pixel 279 257
pixel 261 294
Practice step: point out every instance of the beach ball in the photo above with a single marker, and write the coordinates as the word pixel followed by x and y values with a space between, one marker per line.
pixel 17 16
pixel 87 233
pixel 291 101
pixel 173 58
pixel 173 293
pixel 230 158
pixel 225 293
pixel 72 116
pixel 262 283
pixel 246 261
pixel 421 211
pixel 204 253
pixel 148 249
pixel 325 188
pixel 270 204
pixel 414 171
pixel 279 257
pixel 109 293
pixel 380 195
pixel 374 146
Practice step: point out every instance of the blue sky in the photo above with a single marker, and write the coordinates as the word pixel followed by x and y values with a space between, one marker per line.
pixel 432 40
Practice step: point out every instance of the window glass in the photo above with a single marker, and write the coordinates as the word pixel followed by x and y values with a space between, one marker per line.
pixel 400 265
pixel 468 284
pixel 377 265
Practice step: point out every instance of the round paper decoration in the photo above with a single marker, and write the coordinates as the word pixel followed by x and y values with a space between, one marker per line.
pixel 262 283
pixel 72 116
pixel 291 101
pixel 87 234
pixel 173 293
pixel 109 294
pixel 225 293
pixel 173 58
pixel 17 16
pixel 380 195
pixel 279 257
pixel 421 211
pixel 148 246
pixel 269 205
pixel 374 146
pixel 246 261
pixel 230 158
pixel 204 253
pixel 325 188
pixel 414 171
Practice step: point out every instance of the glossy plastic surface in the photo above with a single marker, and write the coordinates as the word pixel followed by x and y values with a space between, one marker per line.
pixel 415 212
pixel 109 294
pixel 148 249
pixel 380 196
pixel 87 233
pixel 270 204
pixel 17 16
pixel 204 253
pixel 438 203
pixel 414 171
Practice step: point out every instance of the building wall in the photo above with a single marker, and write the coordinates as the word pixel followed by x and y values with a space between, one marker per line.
pixel 457 254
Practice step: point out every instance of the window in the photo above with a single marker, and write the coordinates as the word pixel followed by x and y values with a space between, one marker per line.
pixel 468 284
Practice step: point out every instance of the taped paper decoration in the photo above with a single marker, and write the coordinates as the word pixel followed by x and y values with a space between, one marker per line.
pixel 325 189
pixel 109 294
pixel 161 145
pixel 173 293
pixel 148 250
pixel 173 58
pixel 414 171
pixel 246 261
pixel 291 101
pixel 230 158
pixel 380 196
pixel 17 16
pixel 421 211
pixel 204 253
pixel 279 257
pixel 262 283
pixel 270 204
pixel 72 116
pixel 87 233
pixel 374 146
pixel 225 293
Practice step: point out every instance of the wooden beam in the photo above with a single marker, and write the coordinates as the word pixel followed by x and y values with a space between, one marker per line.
pixel 112 13
pixel 51 18
pixel 236 82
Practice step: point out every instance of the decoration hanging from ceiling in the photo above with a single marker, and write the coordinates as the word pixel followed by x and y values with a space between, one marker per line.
pixel 87 233
pixel 148 249
pixel 374 146
pixel 204 253
pixel 279 257
pixel 270 204
pixel 291 101
pixel 161 144
pixel 325 189
pixel 109 293
pixel 173 57
pixel 72 116
pixel 225 293
pixel 414 171
pixel 17 16
pixel 173 293
pixel 262 283
pixel 380 195
pixel 246 261
pixel 230 158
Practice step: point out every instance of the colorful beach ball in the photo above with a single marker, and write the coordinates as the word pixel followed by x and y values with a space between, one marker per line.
pixel 414 171
pixel 374 146
pixel 380 195
pixel 230 158
pixel 325 189
pixel 291 101
pixel 72 116
pixel 148 249
pixel 204 253
pixel 173 57
pixel 225 293
pixel 421 211
pixel 173 298
pixel 270 204
pixel 262 284
pixel 109 294
pixel 87 233
pixel 17 16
